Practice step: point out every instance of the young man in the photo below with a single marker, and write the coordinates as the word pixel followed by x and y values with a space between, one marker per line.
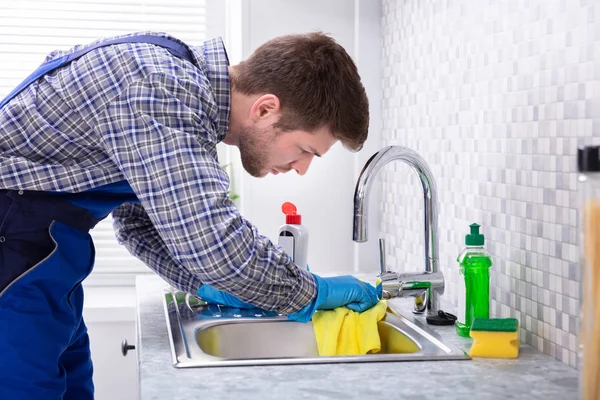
pixel 129 126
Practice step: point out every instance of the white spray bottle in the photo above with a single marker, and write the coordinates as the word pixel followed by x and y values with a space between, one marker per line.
pixel 293 236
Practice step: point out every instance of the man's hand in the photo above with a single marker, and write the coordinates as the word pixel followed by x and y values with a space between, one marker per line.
pixel 336 292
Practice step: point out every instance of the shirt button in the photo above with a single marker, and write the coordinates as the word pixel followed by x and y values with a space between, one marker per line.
pixel 20 192
pixel 2 239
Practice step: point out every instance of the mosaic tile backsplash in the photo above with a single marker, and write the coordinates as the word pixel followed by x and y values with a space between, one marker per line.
pixel 496 96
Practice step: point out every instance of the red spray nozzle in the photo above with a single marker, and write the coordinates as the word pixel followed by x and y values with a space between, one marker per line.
pixel 291 217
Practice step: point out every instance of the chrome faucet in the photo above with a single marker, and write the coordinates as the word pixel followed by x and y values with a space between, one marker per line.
pixel 424 286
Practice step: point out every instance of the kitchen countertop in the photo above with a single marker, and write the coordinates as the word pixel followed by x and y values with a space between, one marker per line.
pixel 533 375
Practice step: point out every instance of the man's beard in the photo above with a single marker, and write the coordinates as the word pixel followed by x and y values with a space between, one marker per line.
pixel 254 150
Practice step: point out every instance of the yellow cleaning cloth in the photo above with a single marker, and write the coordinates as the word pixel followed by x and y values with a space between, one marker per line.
pixel 343 332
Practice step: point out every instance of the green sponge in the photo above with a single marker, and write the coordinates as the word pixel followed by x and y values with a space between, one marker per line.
pixel 495 324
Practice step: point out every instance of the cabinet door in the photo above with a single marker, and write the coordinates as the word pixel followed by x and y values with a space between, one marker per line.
pixel 115 376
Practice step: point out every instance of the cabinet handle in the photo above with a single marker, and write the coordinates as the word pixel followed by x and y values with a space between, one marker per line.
pixel 126 347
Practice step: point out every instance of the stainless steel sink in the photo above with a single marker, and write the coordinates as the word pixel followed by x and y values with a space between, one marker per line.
pixel 209 336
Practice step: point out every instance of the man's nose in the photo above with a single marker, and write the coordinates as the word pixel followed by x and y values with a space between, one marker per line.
pixel 301 165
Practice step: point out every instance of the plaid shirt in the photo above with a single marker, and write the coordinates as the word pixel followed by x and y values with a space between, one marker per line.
pixel 134 112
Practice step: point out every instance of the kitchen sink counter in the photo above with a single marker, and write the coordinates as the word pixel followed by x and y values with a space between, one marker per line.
pixel 533 375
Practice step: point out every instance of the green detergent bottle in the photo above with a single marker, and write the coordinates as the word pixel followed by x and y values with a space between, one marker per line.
pixel 474 282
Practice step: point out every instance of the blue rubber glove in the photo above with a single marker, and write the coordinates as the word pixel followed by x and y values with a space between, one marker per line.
pixel 336 292
pixel 215 296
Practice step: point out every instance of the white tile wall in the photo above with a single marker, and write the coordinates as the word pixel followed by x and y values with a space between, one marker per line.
pixel 496 96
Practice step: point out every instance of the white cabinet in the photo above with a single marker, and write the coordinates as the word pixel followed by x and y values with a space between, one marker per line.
pixel 110 317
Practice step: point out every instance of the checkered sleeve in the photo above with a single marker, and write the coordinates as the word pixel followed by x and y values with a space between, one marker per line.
pixel 160 138
pixel 136 232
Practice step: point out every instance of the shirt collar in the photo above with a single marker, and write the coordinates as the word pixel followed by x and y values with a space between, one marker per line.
pixel 217 63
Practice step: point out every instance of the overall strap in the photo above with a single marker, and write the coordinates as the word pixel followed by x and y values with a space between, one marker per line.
pixel 175 48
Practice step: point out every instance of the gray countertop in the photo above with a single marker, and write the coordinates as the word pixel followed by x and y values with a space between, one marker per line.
pixel 533 375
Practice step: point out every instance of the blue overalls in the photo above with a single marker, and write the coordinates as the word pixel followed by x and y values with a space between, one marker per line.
pixel 46 251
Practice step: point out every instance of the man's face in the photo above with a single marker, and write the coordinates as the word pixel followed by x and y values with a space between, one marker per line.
pixel 266 150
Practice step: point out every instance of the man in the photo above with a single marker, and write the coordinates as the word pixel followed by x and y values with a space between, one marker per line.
pixel 129 125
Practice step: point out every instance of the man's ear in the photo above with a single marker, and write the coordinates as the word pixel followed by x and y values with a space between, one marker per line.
pixel 266 106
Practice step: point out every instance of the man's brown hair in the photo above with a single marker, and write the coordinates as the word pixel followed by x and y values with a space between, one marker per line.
pixel 317 84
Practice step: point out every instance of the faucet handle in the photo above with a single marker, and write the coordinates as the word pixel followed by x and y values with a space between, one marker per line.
pixel 390 282
pixel 382 266
pixel 391 285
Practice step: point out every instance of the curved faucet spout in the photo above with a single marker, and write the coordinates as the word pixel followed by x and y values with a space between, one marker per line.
pixel 361 197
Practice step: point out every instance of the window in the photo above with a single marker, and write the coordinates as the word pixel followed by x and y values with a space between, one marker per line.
pixel 29 30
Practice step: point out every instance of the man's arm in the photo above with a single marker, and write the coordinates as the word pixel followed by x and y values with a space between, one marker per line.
pixel 135 231
pixel 159 136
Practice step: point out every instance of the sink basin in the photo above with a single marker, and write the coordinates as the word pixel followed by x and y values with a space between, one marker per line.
pixel 284 340
pixel 209 336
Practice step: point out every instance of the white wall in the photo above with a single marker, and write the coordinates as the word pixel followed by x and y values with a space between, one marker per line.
pixel 368 48
pixel 496 96
pixel 324 196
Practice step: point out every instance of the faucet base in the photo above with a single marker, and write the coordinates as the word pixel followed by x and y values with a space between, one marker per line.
pixel 422 302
